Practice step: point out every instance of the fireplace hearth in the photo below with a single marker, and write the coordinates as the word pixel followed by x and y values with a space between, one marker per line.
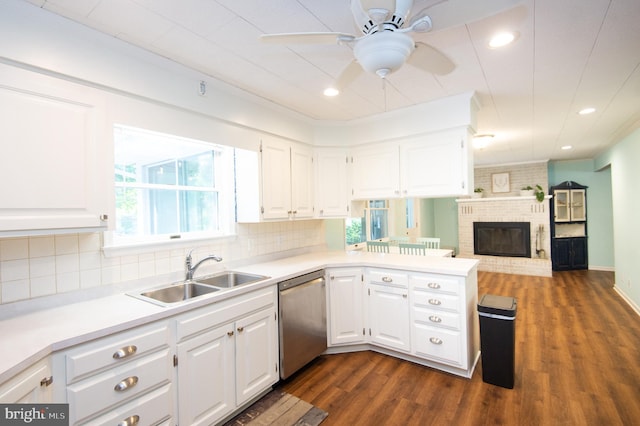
pixel 511 239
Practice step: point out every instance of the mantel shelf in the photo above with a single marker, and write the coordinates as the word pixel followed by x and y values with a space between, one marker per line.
pixel 489 199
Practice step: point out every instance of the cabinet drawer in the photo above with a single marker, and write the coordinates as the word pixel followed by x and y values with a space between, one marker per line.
pixel 427 299
pixel 115 350
pixel 153 408
pixel 436 318
pixel 438 344
pixel 118 385
pixel 381 276
pixel 435 283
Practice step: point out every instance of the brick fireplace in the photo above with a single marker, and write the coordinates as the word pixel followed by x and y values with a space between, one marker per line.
pixel 514 210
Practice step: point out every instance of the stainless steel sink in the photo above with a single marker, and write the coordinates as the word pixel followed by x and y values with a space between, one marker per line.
pixel 229 279
pixel 179 292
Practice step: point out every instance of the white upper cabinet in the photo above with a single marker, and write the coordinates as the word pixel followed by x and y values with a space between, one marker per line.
pixel 438 164
pixel 332 187
pixel 53 159
pixel 375 172
pixel 276 183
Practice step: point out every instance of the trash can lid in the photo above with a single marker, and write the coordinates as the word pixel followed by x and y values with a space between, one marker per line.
pixel 500 305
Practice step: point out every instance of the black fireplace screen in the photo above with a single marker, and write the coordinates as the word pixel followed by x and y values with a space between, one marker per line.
pixel 512 239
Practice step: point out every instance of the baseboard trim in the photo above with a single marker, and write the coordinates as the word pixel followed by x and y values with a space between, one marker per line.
pixel 626 298
pixel 602 268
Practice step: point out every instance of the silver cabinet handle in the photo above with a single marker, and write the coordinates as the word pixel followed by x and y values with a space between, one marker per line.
pixel 130 421
pixel 433 285
pixel 125 351
pixel 435 302
pixel 127 383
pixel 434 318
pixel 387 279
pixel 435 340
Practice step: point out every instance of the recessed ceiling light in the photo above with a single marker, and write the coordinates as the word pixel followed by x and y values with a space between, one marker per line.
pixel 586 111
pixel 331 91
pixel 501 39
pixel 566 147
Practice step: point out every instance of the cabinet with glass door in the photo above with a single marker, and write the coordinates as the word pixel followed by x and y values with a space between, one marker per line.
pixel 569 226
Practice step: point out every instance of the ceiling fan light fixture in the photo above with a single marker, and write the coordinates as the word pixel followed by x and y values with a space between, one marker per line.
pixel 502 39
pixel 384 52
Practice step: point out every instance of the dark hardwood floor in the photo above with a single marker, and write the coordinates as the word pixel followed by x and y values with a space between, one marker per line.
pixel 577 363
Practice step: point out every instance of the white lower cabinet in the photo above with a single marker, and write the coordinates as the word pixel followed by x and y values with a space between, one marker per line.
pixel 226 355
pixel 33 385
pixel 388 309
pixel 346 306
pixel 194 369
pixel 125 378
pixel 426 318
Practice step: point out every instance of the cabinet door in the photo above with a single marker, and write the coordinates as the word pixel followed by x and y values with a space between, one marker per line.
pixel 346 313
pixel 28 386
pixel 375 172
pixel 256 354
pixel 578 205
pixel 561 202
pixel 389 316
pixel 579 259
pixel 206 379
pixel 436 165
pixel 276 179
pixel 332 197
pixel 561 255
pixel 302 193
pixel 52 159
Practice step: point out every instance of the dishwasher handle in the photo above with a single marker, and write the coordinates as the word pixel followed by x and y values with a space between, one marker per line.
pixel 302 279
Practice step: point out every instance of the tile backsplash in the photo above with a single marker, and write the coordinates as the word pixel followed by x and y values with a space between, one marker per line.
pixel 37 266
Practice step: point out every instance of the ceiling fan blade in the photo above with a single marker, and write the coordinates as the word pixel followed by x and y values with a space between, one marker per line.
pixel 451 13
pixel 430 59
pixel 346 77
pixel 307 38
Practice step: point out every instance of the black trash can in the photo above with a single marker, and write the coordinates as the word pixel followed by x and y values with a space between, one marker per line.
pixel 497 339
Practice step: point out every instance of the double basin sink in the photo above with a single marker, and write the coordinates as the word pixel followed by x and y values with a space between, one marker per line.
pixel 188 290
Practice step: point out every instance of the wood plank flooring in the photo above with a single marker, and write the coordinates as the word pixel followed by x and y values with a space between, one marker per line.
pixel 577 363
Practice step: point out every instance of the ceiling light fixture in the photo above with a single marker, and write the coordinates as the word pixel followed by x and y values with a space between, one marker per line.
pixel 501 39
pixel 331 91
pixel 586 111
pixel 566 147
pixel 482 140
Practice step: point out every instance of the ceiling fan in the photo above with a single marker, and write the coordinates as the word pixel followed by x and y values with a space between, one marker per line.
pixel 386 44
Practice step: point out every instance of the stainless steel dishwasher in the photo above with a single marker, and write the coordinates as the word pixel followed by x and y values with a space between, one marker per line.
pixel 303 321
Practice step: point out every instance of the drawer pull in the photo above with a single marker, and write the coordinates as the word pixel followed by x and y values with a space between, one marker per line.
pixel 387 279
pixel 435 302
pixel 434 318
pixel 435 340
pixel 130 421
pixel 240 329
pixel 230 333
pixel 125 352
pixel 433 285
pixel 127 383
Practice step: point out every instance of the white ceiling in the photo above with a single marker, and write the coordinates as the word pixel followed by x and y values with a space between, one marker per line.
pixel 569 54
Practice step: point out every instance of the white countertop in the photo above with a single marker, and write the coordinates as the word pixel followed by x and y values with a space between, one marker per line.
pixel 25 339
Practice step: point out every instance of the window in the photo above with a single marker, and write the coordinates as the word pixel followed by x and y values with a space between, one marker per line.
pixel 373 225
pixel 169 187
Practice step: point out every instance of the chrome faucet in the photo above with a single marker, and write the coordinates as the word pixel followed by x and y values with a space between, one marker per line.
pixel 192 269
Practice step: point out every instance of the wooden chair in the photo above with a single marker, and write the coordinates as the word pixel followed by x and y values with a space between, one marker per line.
pixel 429 242
pixel 417 249
pixel 378 246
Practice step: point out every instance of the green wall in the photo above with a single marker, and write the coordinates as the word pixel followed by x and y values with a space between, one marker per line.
pixel 599 206
pixel 623 159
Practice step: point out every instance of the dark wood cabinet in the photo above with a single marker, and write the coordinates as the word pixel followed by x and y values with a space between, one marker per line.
pixel 569 248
